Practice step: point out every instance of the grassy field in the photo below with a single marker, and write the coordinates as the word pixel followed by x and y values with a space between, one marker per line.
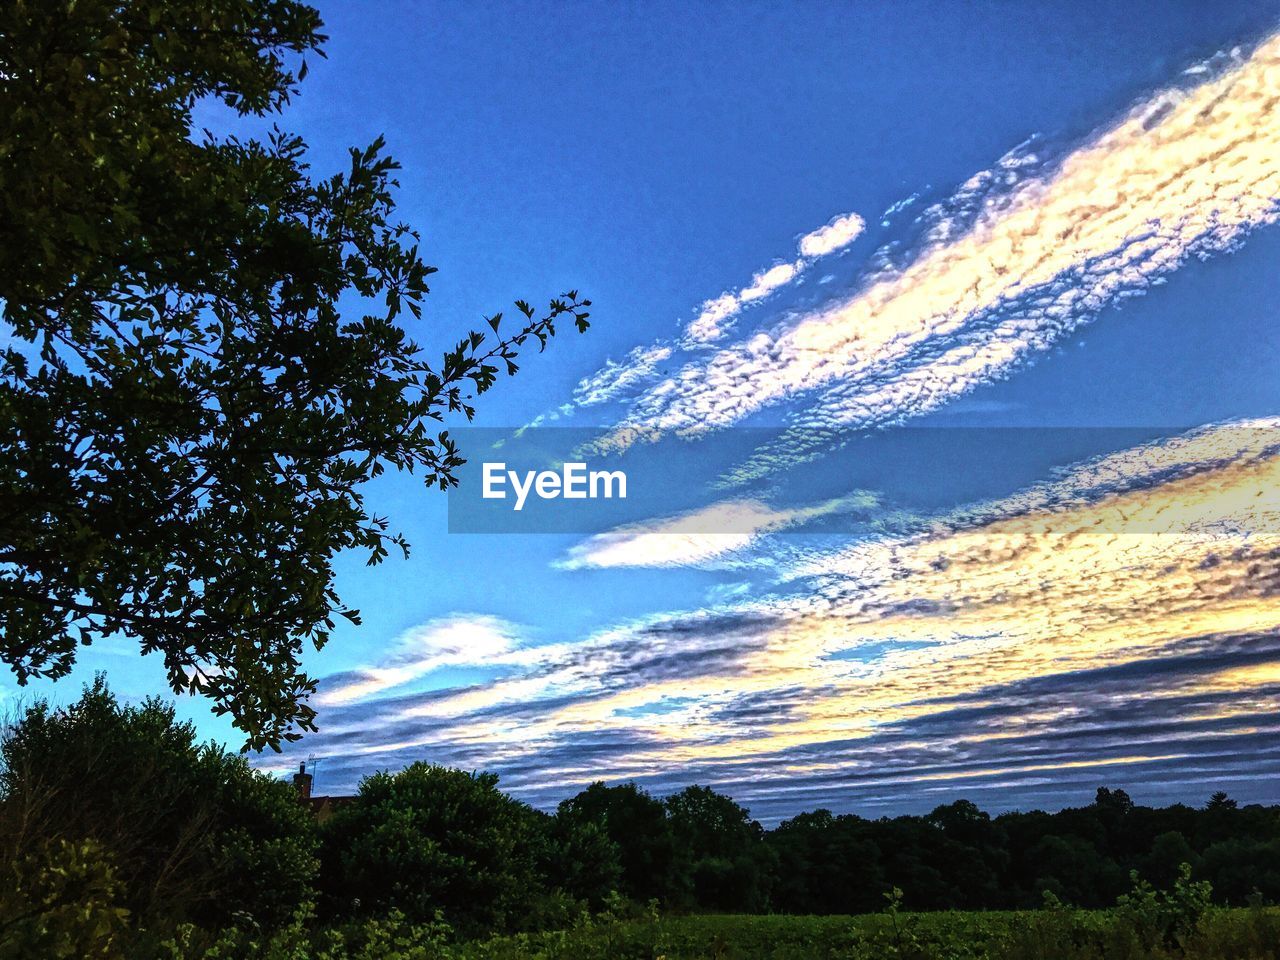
pixel 1244 934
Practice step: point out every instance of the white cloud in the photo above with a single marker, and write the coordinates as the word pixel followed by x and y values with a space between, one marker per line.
pixel 1186 173
pixel 709 324
pixel 615 378
pixel 618 378
pixel 459 640
pixel 1155 552
pixel 700 535
pixel 716 317
pixel 767 281
pixel 839 233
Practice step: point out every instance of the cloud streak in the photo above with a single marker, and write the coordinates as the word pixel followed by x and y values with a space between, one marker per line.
pixel 940 659
pixel 1186 173
pixel 717 315
pixel 459 640
pixel 698 536
pixel 1118 618
pixel 619 379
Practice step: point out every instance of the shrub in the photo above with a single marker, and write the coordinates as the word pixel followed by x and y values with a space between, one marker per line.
pixel 430 841
pixel 191 831
pixel 61 903
pixel 1164 918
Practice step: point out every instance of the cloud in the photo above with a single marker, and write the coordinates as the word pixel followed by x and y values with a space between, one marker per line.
pixel 620 378
pixel 1121 617
pixel 767 281
pixel 614 379
pixel 697 536
pixel 837 234
pixel 716 317
pixel 459 640
pixel 1122 614
pixel 1186 173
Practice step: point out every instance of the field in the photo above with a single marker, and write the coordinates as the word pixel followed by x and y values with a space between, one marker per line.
pixel 1220 934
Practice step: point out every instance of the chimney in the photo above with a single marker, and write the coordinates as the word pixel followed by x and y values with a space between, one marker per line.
pixel 302 783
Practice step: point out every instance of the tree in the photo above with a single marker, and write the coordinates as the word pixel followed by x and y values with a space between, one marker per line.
pixel 1169 851
pixel 1076 872
pixel 1220 801
pixel 428 839
pixel 1241 867
pixel 722 850
pixel 186 831
pixel 187 416
pixel 1113 803
pixel 637 824
pixel 974 852
pixel 826 864
pixel 582 860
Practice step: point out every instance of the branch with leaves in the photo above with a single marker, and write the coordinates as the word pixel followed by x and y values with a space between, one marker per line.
pixel 207 355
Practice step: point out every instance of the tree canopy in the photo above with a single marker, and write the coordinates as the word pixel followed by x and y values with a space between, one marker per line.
pixel 186 830
pixel 429 839
pixel 115 825
pixel 187 416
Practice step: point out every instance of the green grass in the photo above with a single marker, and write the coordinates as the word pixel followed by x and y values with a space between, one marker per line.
pixel 1025 935
pixel 1144 929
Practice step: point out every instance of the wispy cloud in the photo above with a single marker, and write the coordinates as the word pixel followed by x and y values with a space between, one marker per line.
pixel 1121 615
pixel 452 641
pixel 1186 173
pixel 716 317
pixel 697 536
pixel 619 379
pixel 836 235
pixel 939 657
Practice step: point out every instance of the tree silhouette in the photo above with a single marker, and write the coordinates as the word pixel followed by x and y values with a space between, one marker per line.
pixel 202 354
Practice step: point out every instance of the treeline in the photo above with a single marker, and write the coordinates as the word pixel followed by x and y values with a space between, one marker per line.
pixel 113 818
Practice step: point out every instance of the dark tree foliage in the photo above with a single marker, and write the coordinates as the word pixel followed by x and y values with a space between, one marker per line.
pixel 582 860
pixel 703 852
pixel 636 823
pixel 187 831
pixel 431 839
pixel 826 864
pixel 106 808
pixel 186 416
pixel 959 857
pixel 721 851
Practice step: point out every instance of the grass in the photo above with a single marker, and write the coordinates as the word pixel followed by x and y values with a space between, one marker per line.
pixel 1219 934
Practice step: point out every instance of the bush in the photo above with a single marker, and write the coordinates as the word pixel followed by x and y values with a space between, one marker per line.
pixel 433 842
pixel 1164 918
pixel 392 937
pixel 61 903
pixel 192 833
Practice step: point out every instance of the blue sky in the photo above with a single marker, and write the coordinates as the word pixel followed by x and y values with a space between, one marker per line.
pixel 1082 236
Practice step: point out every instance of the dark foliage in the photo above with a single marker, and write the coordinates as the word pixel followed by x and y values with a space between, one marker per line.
pixel 186 832
pixel 703 852
pixel 431 840
pixel 958 857
pixel 637 825
pixel 116 826
pixel 187 417
pixel 582 860
pixel 722 860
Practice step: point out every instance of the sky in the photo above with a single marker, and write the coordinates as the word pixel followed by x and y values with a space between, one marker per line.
pixel 937 343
